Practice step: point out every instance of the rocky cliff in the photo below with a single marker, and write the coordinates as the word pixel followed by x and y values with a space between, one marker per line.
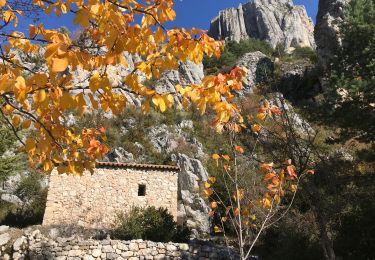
pixel 327 29
pixel 276 21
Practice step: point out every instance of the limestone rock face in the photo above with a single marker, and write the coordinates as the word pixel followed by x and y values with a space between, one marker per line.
pixel 276 21
pixel 259 68
pixel 188 73
pixel 192 208
pixel 119 154
pixel 327 29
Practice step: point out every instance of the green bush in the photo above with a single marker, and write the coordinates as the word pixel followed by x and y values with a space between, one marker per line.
pixel 34 198
pixel 149 224
pixel 232 52
pixel 305 53
pixel 9 164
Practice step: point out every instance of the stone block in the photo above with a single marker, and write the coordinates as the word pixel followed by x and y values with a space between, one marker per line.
pixel 142 245
pixel 171 247
pixel 4 239
pixel 133 246
pixel 127 254
pixel 112 256
pixel 4 228
pixel 108 249
pixel 96 252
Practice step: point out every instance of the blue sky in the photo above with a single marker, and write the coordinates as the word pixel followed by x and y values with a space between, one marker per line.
pixel 190 13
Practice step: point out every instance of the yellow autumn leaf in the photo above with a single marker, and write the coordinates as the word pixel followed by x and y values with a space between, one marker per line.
pixel 236 212
pixel 256 128
pixel 39 96
pixel 171 14
pixel 82 18
pixel 2 3
pixel 226 157
pixel 7 109
pixel 239 149
pixel 32 30
pixel 26 124
pixel 217 229
pixel 215 157
pixel 266 167
pixel 212 179
pixel 261 116
pixel 159 102
pixel 59 65
pixel 213 205
pixel 8 16
pixel 145 107
pixel 30 146
pixel 159 35
pixel 95 82
pixel 47 166
pixel 16 120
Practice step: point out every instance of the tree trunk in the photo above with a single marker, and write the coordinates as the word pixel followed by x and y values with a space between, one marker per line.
pixel 325 240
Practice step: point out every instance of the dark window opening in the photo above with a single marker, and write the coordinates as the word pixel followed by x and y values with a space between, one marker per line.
pixel 141 190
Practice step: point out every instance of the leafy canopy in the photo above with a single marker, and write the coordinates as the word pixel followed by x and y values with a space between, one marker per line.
pixel 39 98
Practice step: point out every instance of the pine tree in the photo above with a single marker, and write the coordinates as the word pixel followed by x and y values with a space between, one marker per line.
pixel 10 163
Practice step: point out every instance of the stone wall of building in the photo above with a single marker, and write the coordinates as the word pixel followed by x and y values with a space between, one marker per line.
pixel 34 245
pixel 95 200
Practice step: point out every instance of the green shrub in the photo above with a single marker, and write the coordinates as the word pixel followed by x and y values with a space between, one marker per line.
pixel 9 164
pixel 149 224
pixel 34 198
pixel 232 52
pixel 305 53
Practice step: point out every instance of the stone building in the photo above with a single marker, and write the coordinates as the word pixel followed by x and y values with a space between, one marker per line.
pixel 95 200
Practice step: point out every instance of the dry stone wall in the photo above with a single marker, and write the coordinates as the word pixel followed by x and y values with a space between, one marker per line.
pixel 95 200
pixel 34 245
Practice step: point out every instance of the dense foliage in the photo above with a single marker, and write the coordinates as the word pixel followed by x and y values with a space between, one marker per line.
pixel 352 72
pixel 10 160
pixel 150 224
pixel 232 52
pixel 39 97
pixel 33 197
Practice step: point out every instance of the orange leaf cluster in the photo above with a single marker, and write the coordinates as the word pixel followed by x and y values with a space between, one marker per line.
pixel 40 98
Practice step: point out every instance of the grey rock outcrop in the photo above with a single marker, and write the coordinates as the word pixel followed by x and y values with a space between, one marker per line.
pixel 119 155
pixel 276 21
pixel 299 124
pixel 167 139
pixel 327 29
pixel 11 198
pixel 188 73
pixel 259 66
pixel 192 207
pixel 298 80
pixel 162 139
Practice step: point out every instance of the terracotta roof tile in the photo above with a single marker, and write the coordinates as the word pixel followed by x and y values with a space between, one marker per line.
pixel 137 166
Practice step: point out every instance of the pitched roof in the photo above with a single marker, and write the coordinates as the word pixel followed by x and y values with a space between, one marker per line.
pixel 137 166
